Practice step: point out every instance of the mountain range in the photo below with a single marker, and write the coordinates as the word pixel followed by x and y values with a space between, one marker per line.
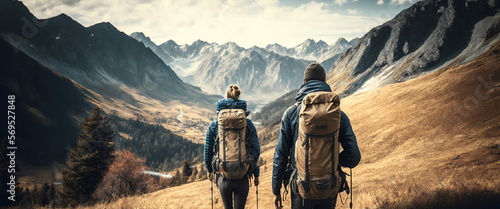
pixel 99 57
pixel 264 74
pixel 311 50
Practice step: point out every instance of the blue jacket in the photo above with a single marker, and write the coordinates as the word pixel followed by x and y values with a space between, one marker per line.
pixel 213 131
pixel 349 157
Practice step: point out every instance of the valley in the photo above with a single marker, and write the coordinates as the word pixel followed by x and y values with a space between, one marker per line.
pixel 191 124
pixel 421 90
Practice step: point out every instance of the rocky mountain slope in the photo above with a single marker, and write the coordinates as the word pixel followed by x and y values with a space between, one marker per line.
pixel 261 75
pixel 150 44
pixel 427 36
pixel 47 106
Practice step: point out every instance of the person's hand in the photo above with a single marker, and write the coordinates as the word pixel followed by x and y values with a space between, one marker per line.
pixel 256 181
pixel 277 202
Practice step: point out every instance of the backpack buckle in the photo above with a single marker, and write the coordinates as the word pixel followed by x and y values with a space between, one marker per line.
pixel 323 184
pixel 306 185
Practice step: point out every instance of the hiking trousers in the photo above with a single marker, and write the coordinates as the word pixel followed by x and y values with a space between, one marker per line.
pixel 299 203
pixel 234 188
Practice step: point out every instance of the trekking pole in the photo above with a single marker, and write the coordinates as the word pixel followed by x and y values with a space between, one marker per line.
pixel 212 192
pixel 257 194
pixel 350 171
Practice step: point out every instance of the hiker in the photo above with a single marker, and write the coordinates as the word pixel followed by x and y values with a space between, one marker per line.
pixel 230 168
pixel 285 163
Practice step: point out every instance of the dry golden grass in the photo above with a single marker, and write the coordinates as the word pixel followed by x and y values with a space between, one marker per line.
pixel 439 131
pixel 341 80
pixel 429 133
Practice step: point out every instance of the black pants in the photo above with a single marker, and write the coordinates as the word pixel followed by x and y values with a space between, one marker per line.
pixel 299 203
pixel 238 189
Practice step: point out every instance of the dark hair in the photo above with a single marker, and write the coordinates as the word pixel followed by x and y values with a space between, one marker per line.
pixel 233 92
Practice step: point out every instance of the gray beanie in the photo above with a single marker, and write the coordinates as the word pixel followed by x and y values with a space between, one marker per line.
pixel 314 71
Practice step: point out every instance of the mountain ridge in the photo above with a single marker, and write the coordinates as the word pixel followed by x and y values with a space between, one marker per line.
pixel 99 57
pixel 393 52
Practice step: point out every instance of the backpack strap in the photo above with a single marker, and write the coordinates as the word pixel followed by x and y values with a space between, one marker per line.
pixel 215 148
pixel 306 183
pixel 252 162
pixel 240 138
pixel 223 141
pixel 332 147
pixel 247 142
pixel 215 157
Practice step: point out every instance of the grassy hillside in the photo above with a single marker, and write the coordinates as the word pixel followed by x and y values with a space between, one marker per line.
pixel 432 137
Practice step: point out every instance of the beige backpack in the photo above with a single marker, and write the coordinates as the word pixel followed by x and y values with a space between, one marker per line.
pixel 231 158
pixel 317 146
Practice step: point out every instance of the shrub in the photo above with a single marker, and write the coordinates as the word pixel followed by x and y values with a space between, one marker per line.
pixel 125 177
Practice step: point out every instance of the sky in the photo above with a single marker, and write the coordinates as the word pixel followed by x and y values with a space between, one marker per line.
pixel 246 22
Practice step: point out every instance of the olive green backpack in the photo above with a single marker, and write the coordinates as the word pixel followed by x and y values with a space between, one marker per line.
pixel 317 147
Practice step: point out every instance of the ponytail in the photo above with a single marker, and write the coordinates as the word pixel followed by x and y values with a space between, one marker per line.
pixel 233 92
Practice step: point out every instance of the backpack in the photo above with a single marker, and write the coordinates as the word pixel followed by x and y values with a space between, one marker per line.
pixel 231 159
pixel 317 174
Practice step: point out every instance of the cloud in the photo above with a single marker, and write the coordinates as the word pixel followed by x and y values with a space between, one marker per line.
pixel 400 1
pixel 245 22
pixel 352 11
pixel 342 2
pixel 380 2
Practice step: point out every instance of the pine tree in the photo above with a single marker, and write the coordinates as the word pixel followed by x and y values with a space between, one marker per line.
pixel 26 198
pixel 195 174
pixel 177 180
pixel 202 173
pixel 186 171
pixel 51 194
pixel 35 196
pixel 89 160
pixel 43 195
